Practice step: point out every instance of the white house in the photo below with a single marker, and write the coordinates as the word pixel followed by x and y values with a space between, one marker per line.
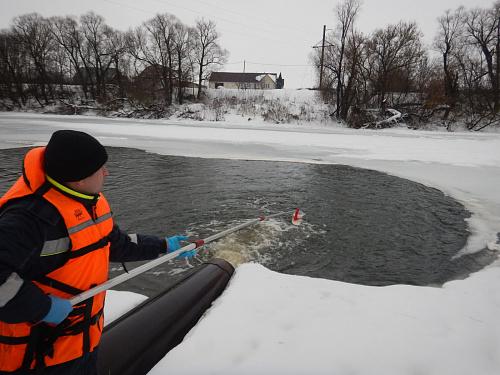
pixel 262 81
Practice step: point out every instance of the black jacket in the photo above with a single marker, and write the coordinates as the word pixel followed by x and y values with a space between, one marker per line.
pixel 25 224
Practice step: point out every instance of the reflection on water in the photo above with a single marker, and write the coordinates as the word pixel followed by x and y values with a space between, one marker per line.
pixel 361 226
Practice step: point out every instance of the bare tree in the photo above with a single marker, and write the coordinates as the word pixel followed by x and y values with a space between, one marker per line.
pixel 98 52
pixel 117 55
pixel 13 61
pixel 353 93
pixel 162 30
pixel 183 42
pixel 448 41
pixel 207 51
pixel 481 28
pixel 352 83
pixel 66 32
pixel 395 53
pixel 476 103
pixel 346 14
pixel 152 44
pixel 33 32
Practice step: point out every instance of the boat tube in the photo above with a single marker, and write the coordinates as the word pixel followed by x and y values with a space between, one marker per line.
pixel 134 343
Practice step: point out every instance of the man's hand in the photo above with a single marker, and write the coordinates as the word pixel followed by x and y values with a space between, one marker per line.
pixel 174 244
pixel 59 310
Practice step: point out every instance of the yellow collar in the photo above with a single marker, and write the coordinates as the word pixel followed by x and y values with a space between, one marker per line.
pixel 68 190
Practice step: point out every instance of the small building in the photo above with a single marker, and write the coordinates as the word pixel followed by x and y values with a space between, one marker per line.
pixel 151 80
pixel 151 83
pixel 258 81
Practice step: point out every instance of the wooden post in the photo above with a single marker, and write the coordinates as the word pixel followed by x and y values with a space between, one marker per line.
pixel 322 57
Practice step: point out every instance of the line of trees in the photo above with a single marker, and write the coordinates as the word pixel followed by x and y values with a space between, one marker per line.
pixel 456 78
pixel 46 59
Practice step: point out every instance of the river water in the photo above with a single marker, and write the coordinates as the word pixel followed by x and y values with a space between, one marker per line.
pixel 361 226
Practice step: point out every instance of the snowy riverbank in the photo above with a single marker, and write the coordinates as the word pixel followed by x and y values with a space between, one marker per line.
pixel 267 322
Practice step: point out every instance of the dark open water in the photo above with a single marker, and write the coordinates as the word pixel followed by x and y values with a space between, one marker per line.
pixel 361 226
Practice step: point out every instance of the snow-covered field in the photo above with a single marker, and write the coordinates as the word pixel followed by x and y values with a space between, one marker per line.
pixel 266 322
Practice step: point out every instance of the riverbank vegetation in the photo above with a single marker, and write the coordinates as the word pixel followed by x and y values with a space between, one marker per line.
pixel 456 79
pixel 160 69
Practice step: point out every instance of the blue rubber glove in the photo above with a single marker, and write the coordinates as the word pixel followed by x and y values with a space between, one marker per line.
pixel 174 244
pixel 59 310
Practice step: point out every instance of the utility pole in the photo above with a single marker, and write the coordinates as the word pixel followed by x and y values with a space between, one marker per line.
pixel 497 80
pixel 244 64
pixel 322 57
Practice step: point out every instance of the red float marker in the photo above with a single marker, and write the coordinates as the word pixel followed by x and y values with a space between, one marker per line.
pixel 297 216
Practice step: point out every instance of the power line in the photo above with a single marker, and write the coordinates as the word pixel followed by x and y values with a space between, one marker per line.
pixel 129 6
pixel 204 14
pixel 264 20
pixel 254 35
pixel 258 63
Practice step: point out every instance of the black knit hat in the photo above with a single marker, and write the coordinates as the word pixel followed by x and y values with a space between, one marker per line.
pixel 71 155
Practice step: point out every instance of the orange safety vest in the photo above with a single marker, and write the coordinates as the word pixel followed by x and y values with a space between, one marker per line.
pixel 26 345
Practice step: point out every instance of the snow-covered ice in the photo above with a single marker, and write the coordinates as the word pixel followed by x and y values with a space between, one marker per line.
pixel 266 322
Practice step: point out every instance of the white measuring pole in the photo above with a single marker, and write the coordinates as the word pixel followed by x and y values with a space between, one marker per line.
pixel 156 262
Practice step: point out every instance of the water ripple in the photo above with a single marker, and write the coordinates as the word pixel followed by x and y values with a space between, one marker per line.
pixel 361 226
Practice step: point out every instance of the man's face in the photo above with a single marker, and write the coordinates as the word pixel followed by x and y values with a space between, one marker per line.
pixel 92 184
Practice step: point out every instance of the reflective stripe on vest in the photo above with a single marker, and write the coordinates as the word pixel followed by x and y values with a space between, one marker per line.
pixel 88 223
pixel 9 288
pixel 87 240
pixel 54 247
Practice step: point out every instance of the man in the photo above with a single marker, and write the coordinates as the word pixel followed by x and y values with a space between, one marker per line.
pixel 57 237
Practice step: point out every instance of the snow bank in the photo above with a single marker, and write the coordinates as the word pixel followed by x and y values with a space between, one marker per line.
pixel 270 323
pixel 267 322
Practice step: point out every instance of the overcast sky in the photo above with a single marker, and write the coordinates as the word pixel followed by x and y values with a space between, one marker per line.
pixel 270 35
